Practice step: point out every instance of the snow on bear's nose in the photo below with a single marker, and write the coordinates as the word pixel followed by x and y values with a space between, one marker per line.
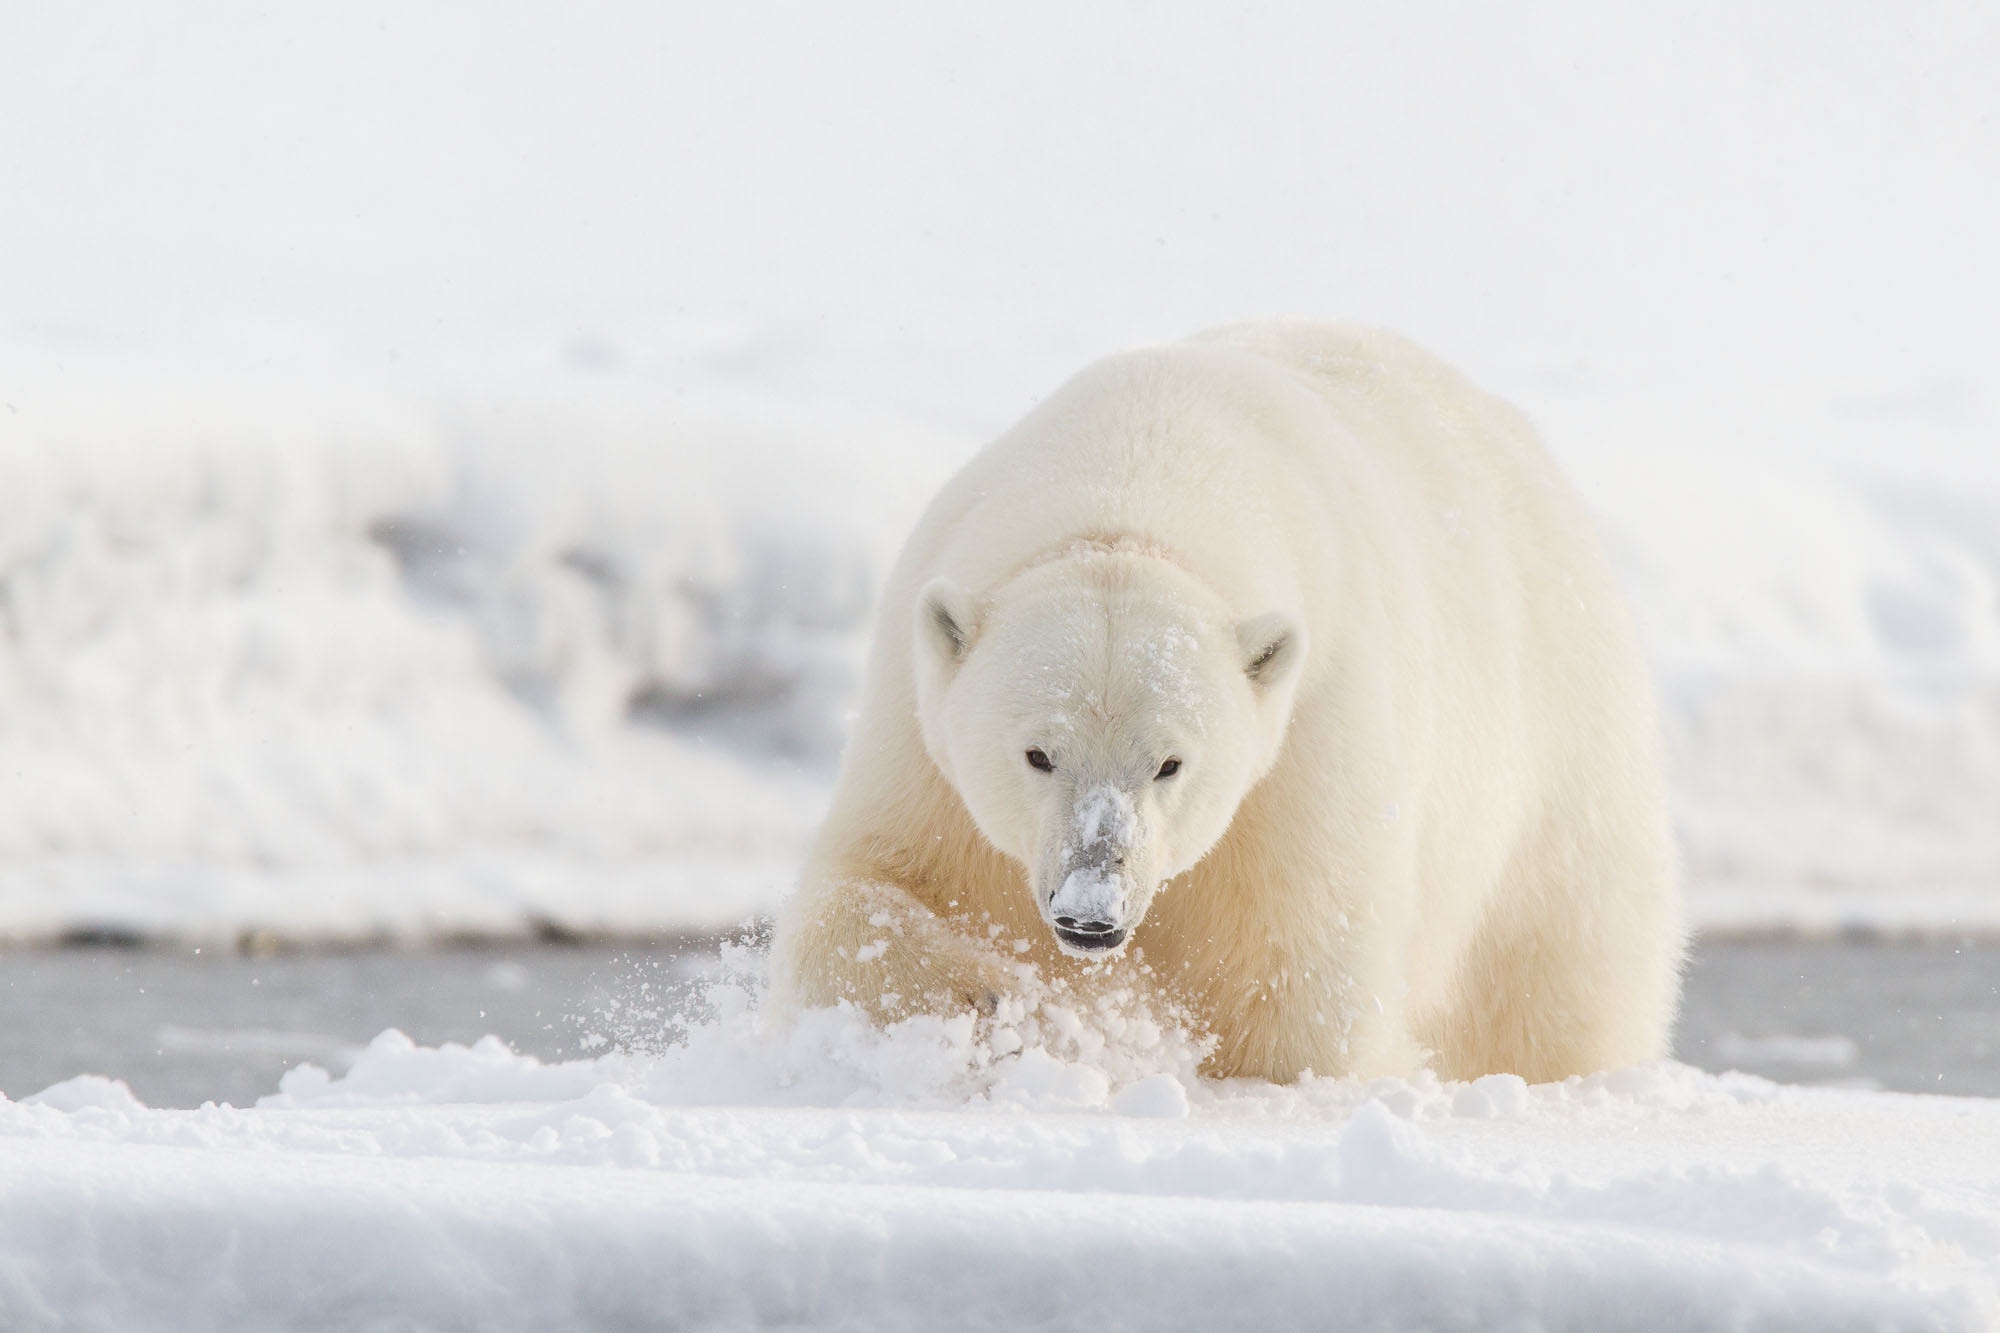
pixel 1088 908
pixel 1090 893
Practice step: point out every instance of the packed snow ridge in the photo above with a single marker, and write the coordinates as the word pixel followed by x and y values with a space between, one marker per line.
pixel 1047 1167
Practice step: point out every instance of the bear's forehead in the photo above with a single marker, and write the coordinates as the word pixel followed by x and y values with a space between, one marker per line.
pixel 1166 660
pixel 1158 674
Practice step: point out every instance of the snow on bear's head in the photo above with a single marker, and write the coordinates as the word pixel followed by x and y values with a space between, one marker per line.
pixel 1102 715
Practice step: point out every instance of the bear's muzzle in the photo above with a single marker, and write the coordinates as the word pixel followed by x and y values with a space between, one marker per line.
pixel 1087 912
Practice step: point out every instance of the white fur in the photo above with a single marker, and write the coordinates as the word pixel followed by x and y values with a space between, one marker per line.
pixel 1418 815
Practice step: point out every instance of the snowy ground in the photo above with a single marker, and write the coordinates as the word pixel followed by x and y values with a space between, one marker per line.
pixel 1064 1170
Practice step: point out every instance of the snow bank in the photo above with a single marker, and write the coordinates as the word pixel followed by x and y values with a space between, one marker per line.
pixel 330 664
pixel 1818 582
pixel 840 1176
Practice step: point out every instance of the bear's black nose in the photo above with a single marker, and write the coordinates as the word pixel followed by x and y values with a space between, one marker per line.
pixel 1092 933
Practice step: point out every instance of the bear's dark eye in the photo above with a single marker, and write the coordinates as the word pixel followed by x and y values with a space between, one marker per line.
pixel 1168 769
pixel 1040 762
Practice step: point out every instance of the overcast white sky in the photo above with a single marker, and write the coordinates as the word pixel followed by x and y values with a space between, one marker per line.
pixel 1775 191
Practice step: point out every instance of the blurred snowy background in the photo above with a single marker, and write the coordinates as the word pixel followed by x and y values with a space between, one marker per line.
pixel 448 452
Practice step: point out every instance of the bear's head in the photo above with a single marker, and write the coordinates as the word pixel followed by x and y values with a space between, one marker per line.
pixel 1102 716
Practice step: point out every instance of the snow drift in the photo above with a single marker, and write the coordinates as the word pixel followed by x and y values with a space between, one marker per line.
pixel 335 665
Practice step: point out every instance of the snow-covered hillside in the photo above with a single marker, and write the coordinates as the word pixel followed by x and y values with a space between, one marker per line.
pixel 334 664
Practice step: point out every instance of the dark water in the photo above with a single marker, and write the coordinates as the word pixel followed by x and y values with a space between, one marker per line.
pixel 183 1027
pixel 1910 1017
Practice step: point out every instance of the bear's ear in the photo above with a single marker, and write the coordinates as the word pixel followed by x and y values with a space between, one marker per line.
pixel 1272 646
pixel 945 621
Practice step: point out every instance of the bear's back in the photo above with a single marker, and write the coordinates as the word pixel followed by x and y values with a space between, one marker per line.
pixel 1210 452
pixel 1288 463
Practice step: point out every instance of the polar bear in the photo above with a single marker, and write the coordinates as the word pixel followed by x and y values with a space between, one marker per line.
pixel 1278 668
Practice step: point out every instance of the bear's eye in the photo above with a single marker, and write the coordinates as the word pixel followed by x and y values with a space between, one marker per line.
pixel 1040 762
pixel 1168 769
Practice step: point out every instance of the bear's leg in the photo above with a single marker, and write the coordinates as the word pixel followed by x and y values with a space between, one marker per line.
pixel 1568 976
pixel 875 946
pixel 1278 1031
pixel 1280 1003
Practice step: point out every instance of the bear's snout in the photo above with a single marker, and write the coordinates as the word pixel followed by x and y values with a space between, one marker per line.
pixel 1090 907
pixel 1087 912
